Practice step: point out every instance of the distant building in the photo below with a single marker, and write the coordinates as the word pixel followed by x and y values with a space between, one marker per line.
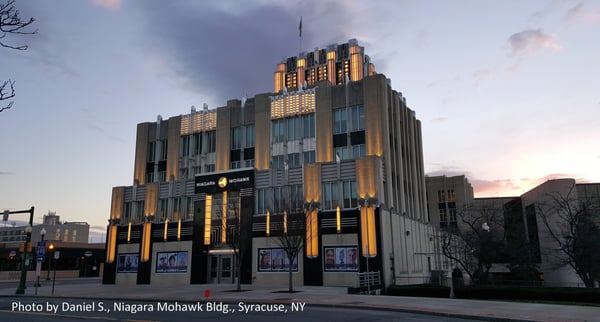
pixel 519 221
pixel 68 232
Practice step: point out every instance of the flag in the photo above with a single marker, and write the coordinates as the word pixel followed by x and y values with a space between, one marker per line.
pixel 300 27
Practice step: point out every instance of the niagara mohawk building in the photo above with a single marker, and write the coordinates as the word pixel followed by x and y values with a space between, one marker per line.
pixel 333 144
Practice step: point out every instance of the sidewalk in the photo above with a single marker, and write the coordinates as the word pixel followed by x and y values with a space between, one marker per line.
pixel 317 296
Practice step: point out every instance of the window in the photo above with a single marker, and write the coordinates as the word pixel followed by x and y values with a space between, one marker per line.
pixel 451 196
pixel 330 195
pixel 236 138
pixel 340 121
pixel 197 143
pixel 309 125
pixel 296 198
pixel 209 168
pixel 196 170
pixel 309 157
pixel 441 196
pixel 127 212
pixel 189 208
pixel 262 202
pixel 358 151
pixel 236 164
pixel 162 209
pixel 249 163
pixel 277 162
pixel 278 130
pixel 249 136
pixel 151 153
pixel 349 194
pixel 294 160
pixel 342 152
pixel 357 118
pixel 211 141
pixel 163 150
pixel 184 146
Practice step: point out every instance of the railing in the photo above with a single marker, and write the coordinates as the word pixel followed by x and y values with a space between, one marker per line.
pixel 367 279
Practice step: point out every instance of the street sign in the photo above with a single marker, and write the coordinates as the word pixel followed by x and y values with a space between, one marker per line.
pixel 56 254
pixel 41 244
pixel 40 258
pixel 41 251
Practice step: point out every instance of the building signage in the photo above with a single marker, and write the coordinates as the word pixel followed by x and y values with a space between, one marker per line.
pixel 224 181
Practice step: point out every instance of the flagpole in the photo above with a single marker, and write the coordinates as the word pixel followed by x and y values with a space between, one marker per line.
pixel 300 38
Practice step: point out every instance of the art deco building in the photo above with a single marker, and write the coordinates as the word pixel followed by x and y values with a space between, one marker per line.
pixel 334 151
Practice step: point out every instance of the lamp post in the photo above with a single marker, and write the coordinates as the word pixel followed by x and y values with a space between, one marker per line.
pixel 24 261
pixel 50 250
pixel 38 267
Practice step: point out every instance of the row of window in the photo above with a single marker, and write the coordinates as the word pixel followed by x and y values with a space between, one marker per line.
pixel 291 198
pixel 356 115
pixel 193 144
pixel 294 160
pixel 293 128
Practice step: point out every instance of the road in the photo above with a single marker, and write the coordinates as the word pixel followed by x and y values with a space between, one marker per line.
pixel 25 309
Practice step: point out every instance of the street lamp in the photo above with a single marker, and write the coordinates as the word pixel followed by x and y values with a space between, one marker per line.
pixel 24 261
pixel 50 250
pixel 38 266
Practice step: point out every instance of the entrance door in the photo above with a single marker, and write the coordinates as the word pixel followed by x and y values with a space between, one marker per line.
pixel 220 269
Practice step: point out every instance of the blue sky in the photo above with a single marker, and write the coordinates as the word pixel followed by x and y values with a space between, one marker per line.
pixel 508 92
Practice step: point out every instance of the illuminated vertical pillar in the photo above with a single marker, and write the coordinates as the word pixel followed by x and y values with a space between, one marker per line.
pixel 129 232
pixel 356 65
pixel 331 73
pixel 285 221
pixel 207 219
pixel 301 67
pixel 312 233
pixel 179 229
pixel 338 220
pixel 112 243
pixel 146 240
pixel 367 231
pixel 279 78
pixel 224 219
pixel 166 230
pixel 268 224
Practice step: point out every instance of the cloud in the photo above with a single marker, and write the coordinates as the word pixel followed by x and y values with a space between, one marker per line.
pixel 109 4
pixel 580 15
pixel 221 54
pixel 6 173
pixel 530 40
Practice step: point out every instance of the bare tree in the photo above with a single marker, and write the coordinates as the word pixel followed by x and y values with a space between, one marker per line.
pixel 476 242
pixel 235 240
pixel 290 236
pixel 572 223
pixel 11 23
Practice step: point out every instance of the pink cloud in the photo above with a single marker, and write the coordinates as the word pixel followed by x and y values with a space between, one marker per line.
pixel 529 40
pixel 110 4
pixel 580 15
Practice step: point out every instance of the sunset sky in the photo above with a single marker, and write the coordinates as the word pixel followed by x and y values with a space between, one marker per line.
pixel 508 92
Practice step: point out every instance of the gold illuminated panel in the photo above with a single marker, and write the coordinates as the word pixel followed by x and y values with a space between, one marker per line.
pixel 129 232
pixel 293 104
pixel 116 207
pixel 179 229
pixel 312 233
pixel 147 234
pixel 367 231
pixel 338 220
pixel 356 65
pixel 151 199
pixel 112 243
pixel 312 183
pixel 166 231
pixel 198 122
pixel 207 219
pixel 285 221
pixel 366 174
pixel 331 67
pixel 224 219
pixel 268 224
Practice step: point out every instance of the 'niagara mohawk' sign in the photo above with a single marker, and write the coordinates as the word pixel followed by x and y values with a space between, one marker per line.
pixel 224 181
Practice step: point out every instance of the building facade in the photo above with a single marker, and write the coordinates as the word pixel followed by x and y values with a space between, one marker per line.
pixel 341 161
